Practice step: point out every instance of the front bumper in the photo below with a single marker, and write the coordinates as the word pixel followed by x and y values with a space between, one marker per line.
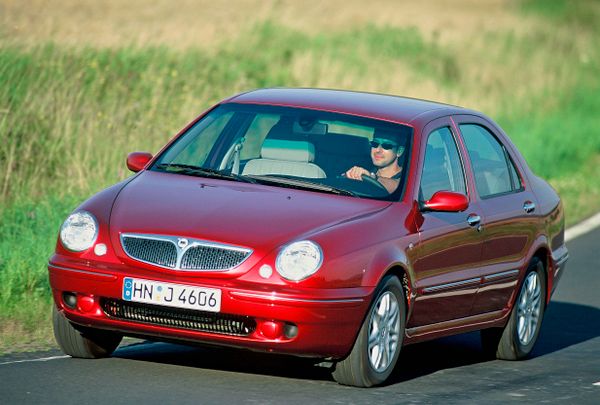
pixel 327 320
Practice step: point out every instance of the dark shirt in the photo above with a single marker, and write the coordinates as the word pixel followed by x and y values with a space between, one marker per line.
pixel 396 176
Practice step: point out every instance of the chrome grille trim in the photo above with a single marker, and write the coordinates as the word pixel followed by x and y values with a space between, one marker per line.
pixel 150 250
pixel 200 257
pixel 194 255
pixel 211 322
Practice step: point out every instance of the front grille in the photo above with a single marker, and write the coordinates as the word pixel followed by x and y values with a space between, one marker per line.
pixel 183 253
pixel 211 258
pixel 161 252
pixel 218 323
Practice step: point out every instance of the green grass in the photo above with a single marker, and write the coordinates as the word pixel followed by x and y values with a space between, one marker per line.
pixel 69 116
pixel 28 233
pixel 559 139
pixel 581 13
pixel 580 190
pixel 27 327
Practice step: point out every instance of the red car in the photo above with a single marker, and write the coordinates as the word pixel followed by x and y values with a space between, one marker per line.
pixel 332 224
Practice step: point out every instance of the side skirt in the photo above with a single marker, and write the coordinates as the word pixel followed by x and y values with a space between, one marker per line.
pixel 456 326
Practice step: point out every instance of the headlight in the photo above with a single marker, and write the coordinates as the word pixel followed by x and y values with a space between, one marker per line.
pixel 79 231
pixel 299 260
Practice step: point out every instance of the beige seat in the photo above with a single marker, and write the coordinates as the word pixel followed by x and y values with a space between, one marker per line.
pixel 497 182
pixel 285 157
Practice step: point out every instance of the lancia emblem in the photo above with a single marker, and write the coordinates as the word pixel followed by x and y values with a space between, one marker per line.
pixel 182 242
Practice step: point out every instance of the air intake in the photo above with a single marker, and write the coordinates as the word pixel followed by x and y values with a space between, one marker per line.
pixel 218 323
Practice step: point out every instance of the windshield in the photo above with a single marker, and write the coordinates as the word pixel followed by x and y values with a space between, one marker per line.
pixel 294 148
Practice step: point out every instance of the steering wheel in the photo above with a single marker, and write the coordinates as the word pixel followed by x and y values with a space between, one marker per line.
pixel 371 181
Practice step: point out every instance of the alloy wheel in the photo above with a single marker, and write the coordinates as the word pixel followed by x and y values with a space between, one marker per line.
pixel 384 332
pixel 529 308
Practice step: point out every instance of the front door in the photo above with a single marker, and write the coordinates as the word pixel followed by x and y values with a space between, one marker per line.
pixel 448 254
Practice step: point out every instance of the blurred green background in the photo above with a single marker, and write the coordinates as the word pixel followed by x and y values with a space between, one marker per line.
pixel 84 83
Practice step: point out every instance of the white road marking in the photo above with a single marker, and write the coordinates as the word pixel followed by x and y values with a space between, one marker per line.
pixel 583 227
pixel 31 360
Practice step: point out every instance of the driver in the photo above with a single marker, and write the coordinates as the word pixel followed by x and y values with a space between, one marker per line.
pixel 386 149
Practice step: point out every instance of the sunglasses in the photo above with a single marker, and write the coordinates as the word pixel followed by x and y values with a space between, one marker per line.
pixel 384 145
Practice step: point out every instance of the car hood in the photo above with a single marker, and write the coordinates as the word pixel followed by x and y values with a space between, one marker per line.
pixel 248 215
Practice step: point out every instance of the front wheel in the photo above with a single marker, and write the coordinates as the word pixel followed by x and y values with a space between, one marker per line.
pixel 518 337
pixel 86 343
pixel 375 352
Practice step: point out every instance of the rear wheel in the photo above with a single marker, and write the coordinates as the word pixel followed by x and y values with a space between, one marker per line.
pixel 518 337
pixel 77 341
pixel 375 352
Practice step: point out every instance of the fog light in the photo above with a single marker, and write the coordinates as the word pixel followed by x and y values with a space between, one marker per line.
pixel 85 303
pixel 271 329
pixel 70 299
pixel 290 330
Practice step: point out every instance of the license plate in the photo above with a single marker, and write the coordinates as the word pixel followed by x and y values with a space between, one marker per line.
pixel 171 295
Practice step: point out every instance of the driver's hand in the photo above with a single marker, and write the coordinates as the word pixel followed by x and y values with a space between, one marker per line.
pixel 356 172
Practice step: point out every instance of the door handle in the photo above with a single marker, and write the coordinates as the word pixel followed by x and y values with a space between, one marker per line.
pixel 528 207
pixel 473 220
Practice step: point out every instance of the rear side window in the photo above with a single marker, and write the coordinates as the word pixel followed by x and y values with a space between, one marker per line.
pixel 442 169
pixel 494 171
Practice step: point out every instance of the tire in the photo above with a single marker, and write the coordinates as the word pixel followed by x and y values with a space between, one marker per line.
pixel 516 340
pixel 86 343
pixel 371 361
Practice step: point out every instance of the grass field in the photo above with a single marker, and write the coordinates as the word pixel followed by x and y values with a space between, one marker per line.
pixel 83 84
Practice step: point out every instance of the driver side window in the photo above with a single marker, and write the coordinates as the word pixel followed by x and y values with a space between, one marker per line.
pixel 442 169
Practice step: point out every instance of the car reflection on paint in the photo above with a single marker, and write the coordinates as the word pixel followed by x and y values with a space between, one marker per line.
pixel 270 223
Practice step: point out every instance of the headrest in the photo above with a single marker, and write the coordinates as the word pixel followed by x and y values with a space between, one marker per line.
pixel 281 149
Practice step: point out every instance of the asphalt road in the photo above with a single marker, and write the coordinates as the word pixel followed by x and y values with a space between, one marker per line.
pixel 564 368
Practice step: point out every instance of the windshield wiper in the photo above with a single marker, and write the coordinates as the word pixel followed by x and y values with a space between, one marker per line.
pixel 304 184
pixel 202 171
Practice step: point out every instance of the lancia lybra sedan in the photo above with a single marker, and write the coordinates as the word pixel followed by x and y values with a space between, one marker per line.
pixel 329 224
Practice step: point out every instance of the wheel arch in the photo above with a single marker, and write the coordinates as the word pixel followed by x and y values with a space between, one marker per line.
pixel 391 260
pixel 543 254
pixel 401 273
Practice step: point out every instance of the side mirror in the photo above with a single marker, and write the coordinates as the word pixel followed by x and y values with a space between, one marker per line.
pixel 446 201
pixel 136 161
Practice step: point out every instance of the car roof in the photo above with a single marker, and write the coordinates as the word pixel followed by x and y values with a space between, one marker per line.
pixel 380 106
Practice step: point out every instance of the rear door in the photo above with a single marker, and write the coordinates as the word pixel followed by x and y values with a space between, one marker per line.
pixel 509 209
